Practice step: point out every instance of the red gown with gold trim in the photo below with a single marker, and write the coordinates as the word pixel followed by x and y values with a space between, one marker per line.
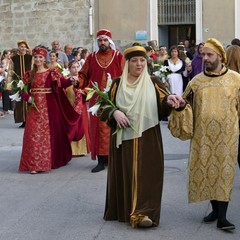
pixel 49 131
pixel 95 69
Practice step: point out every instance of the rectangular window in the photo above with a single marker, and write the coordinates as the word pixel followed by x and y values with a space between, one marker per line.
pixel 174 12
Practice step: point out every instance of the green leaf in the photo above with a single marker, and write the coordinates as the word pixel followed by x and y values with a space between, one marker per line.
pixel 25 88
pixel 101 94
pixel 90 94
pixel 111 112
pixel 106 106
pixel 15 74
pixel 95 84
pixel 89 89
pixel 118 130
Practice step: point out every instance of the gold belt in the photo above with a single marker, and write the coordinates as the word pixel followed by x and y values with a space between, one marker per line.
pixel 40 90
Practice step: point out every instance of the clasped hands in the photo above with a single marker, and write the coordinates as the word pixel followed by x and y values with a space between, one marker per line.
pixel 175 101
pixel 172 100
pixel 74 80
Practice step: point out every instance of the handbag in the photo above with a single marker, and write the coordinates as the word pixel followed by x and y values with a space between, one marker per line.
pixel 180 123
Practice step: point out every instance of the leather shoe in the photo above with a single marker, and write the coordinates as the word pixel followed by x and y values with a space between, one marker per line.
pixel 98 168
pixel 146 222
pixel 225 225
pixel 211 217
pixel 22 126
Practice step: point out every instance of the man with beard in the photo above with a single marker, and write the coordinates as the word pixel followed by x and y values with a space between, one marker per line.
pixel 105 60
pixel 214 96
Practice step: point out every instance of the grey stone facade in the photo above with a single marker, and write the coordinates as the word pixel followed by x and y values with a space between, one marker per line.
pixel 41 22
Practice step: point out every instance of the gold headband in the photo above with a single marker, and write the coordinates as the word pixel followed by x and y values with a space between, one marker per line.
pixel 135 51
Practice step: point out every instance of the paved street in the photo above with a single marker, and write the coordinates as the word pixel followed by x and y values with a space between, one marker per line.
pixel 68 203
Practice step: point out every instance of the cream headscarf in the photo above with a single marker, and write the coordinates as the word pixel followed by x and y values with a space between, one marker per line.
pixel 138 101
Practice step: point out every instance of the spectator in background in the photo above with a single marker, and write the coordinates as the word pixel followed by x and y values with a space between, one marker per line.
pixel 53 60
pixel 62 57
pixel 236 41
pixel 183 56
pixel 68 50
pixel 6 101
pixel 233 58
pixel 80 49
pixel 177 71
pixel 162 54
pixel 2 83
pixel 197 62
pixel 77 56
pixel 150 62
pixel 187 46
pixel 83 57
pixel 233 62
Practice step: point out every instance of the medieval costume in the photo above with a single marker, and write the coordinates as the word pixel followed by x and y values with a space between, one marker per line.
pixel 81 147
pixel 21 64
pixel 177 77
pixel 213 152
pixel 135 169
pixel 197 63
pixel 51 125
pixel 214 97
pixel 98 64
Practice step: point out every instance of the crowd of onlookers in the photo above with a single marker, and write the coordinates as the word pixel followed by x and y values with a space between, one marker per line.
pixel 183 61
pixel 57 58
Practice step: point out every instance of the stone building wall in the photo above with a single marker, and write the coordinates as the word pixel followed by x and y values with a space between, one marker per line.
pixel 219 22
pixel 41 22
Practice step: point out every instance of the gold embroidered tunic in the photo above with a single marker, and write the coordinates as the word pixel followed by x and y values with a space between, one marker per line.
pixel 214 146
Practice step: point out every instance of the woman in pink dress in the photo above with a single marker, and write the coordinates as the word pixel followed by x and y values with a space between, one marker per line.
pixel 51 126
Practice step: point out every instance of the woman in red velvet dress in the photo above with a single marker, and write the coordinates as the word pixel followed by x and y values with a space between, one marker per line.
pixel 51 126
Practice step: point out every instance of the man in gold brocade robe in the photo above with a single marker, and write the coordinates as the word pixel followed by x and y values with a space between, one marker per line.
pixel 214 96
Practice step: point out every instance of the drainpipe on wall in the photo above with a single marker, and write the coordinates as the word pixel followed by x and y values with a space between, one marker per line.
pixel 90 19
pixel 90 23
pixel 199 21
pixel 237 19
pixel 153 19
pixel 150 22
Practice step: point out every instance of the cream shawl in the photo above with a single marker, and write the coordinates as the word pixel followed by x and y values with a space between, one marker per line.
pixel 139 102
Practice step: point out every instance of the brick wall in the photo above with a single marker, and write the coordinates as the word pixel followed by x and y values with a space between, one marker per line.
pixel 41 22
